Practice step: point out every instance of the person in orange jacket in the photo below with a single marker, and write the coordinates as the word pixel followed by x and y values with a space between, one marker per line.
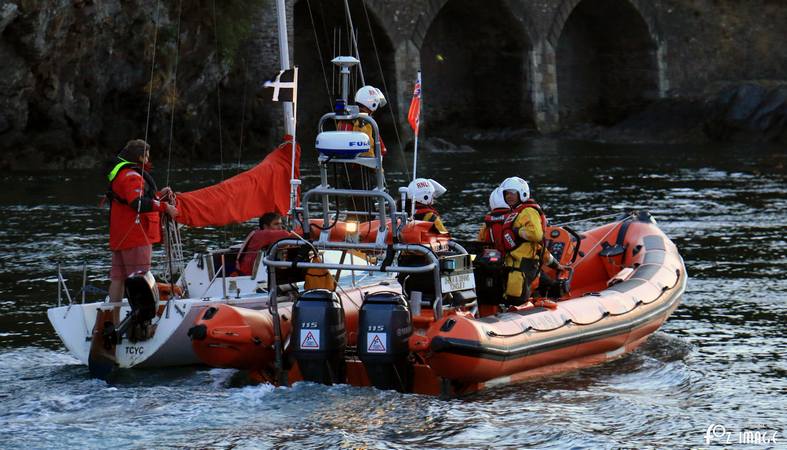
pixel 134 209
pixel 516 226
pixel 271 230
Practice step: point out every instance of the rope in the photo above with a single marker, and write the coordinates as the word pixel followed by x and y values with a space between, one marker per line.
pixel 319 53
pixel 152 70
pixel 603 239
pixel 325 29
pixel 218 98
pixel 243 111
pixel 351 28
pixel 385 88
pixel 174 87
pixel 147 119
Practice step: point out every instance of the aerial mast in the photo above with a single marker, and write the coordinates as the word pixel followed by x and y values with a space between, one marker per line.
pixel 284 57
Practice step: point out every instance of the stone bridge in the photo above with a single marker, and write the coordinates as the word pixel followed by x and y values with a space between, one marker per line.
pixel 500 63
pixel 536 63
pixel 76 73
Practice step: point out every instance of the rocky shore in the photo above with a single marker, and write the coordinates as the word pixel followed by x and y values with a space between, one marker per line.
pixel 78 79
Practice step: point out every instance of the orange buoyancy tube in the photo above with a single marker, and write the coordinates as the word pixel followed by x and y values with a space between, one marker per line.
pixel 415 232
pixel 588 327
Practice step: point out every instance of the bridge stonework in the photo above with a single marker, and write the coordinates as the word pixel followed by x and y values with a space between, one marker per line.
pixel 568 60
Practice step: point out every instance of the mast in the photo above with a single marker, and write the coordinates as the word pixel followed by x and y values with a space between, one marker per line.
pixel 284 53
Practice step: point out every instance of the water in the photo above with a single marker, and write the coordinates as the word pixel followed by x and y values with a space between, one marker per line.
pixel 720 359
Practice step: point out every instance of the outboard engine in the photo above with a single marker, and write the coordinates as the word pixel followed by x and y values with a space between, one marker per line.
pixel 384 328
pixel 319 338
pixel 143 298
pixel 490 276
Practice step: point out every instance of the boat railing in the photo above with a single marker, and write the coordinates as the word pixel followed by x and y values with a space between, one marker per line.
pixel 63 287
pixel 326 191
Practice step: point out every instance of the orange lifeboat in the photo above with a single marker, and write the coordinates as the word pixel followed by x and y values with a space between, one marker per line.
pixel 627 279
pixel 623 290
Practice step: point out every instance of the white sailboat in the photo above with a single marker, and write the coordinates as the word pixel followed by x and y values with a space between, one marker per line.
pixel 147 330
pixel 169 343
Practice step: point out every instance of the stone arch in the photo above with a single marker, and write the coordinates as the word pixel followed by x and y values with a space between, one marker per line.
pixel 432 9
pixel 475 63
pixel 566 7
pixel 329 15
pixel 607 57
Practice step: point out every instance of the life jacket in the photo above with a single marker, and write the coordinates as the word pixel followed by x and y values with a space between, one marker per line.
pixel 133 221
pixel 500 223
pixel 425 212
pixel 150 184
pixel 429 214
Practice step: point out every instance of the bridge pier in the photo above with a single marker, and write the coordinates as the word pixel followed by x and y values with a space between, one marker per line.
pixel 543 80
pixel 407 62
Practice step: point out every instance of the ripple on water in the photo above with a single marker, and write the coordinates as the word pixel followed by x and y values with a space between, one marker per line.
pixel 719 359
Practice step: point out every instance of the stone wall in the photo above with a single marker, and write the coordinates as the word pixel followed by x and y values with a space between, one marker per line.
pixel 76 75
pixel 78 79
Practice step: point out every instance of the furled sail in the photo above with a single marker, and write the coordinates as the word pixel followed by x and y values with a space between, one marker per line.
pixel 263 188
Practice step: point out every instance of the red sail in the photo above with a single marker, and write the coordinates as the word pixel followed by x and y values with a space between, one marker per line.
pixel 263 188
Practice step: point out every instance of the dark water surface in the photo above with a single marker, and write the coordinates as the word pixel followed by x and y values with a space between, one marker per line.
pixel 719 360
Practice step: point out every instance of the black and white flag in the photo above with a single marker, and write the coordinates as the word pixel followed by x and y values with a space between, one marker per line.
pixel 284 86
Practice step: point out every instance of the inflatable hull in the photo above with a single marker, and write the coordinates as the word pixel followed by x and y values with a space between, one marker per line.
pixel 628 280
pixel 611 316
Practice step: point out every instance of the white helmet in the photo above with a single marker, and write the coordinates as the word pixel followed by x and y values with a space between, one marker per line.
pixel 516 184
pixel 424 190
pixel 496 200
pixel 370 97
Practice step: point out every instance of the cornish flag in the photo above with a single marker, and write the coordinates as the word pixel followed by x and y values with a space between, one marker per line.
pixel 414 115
pixel 284 86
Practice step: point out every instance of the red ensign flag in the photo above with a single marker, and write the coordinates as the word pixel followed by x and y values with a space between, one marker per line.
pixel 414 115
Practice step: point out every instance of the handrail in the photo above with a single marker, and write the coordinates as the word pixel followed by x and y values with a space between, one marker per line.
pixel 325 191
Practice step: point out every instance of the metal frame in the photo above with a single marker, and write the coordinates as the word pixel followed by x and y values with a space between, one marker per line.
pixel 324 191
pixel 272 262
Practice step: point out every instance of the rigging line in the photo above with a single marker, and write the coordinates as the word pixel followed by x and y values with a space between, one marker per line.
pixel 168 221
pixel 218 87
pixel 243 110
pixel 218 97
pixel 319 53
pixel 152 70
pixel 147 120
pixel 174 93
pixel 333 72
pixel 354 39
pixel 385 88
pixel 325 32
